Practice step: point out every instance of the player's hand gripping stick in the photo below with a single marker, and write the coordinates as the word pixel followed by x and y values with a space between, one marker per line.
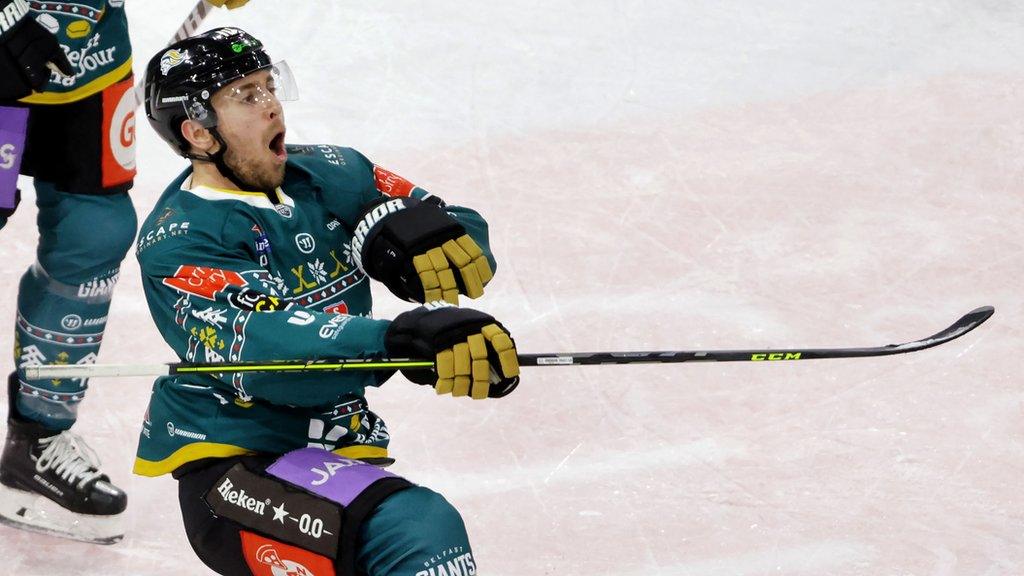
pixel 474 354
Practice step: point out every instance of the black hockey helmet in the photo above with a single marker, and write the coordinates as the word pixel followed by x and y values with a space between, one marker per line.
pixel 181 79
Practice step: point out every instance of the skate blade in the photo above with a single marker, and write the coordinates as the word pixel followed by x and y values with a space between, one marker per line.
pixel 35 513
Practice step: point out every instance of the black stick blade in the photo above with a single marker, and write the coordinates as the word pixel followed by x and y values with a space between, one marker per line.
pixel 965 324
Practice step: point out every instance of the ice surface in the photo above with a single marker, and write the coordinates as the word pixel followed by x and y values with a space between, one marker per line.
pixel 667 175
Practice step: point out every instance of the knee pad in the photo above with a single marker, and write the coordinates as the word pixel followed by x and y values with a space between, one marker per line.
pixel 83 238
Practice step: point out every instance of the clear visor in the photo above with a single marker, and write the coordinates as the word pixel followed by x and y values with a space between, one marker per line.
pixel 261 89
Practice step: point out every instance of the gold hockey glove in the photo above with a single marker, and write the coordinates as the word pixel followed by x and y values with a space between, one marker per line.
pixel 419 252
pixel 474 355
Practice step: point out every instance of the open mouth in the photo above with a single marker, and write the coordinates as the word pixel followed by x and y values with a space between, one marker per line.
pixel 277 146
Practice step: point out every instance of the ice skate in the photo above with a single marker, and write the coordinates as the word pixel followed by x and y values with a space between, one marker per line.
pixel 51 483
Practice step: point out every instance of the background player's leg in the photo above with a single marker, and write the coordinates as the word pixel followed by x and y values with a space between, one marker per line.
pixel 63 301
pixel 64 297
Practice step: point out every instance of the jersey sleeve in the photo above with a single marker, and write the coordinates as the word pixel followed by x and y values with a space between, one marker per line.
pixel 353 182
pixel 214 303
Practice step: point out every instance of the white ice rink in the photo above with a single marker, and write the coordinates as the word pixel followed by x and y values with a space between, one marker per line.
pixel 665 175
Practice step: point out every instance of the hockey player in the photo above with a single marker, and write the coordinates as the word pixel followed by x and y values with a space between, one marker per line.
pixel 261 250
pixel 65 93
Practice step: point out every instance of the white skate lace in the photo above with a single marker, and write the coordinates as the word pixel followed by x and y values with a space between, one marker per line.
pixel 69 457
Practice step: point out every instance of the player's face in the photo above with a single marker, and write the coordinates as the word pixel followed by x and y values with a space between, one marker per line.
pixel 251 121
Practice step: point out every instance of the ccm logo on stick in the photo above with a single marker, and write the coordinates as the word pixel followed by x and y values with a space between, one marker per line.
pixel 776 356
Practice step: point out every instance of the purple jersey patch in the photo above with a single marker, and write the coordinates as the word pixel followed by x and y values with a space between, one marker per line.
pixel 327 474
pixel 13 124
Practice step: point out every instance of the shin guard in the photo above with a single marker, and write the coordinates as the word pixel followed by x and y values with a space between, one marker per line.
pixel 57 324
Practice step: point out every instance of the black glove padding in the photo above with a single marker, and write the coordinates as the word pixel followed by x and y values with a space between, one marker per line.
pixel 8 212
pixel 474 354
pixel 25 49
pixel 413 246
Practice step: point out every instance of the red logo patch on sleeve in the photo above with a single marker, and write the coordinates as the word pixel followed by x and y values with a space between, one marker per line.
pixel 202 281
pixel 267 557
pixel 390 183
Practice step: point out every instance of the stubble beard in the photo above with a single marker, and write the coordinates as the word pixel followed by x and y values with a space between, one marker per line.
pixel 249 172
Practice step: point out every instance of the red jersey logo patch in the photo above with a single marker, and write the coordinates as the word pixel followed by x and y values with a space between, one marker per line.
pixel 202 281
pixel 267 557
pixel 118 133
pixel 339 308
pixel 390 183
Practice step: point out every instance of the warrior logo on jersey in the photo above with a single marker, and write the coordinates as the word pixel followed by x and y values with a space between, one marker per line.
pixel 305 243
pixel 301 318
pixel 71 322
pixel 390 183
pixel 202 281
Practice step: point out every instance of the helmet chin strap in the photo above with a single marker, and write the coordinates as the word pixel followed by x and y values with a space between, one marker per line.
pixel 218 160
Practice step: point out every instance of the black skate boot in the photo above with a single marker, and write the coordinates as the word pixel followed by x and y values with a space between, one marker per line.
pixel 50 483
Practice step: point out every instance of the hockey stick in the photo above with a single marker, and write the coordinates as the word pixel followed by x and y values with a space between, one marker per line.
pixel 968 322
pixel 192 23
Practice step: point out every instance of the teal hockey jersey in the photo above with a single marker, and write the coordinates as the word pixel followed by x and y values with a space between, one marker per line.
pixel 94 35
pixel 233 276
